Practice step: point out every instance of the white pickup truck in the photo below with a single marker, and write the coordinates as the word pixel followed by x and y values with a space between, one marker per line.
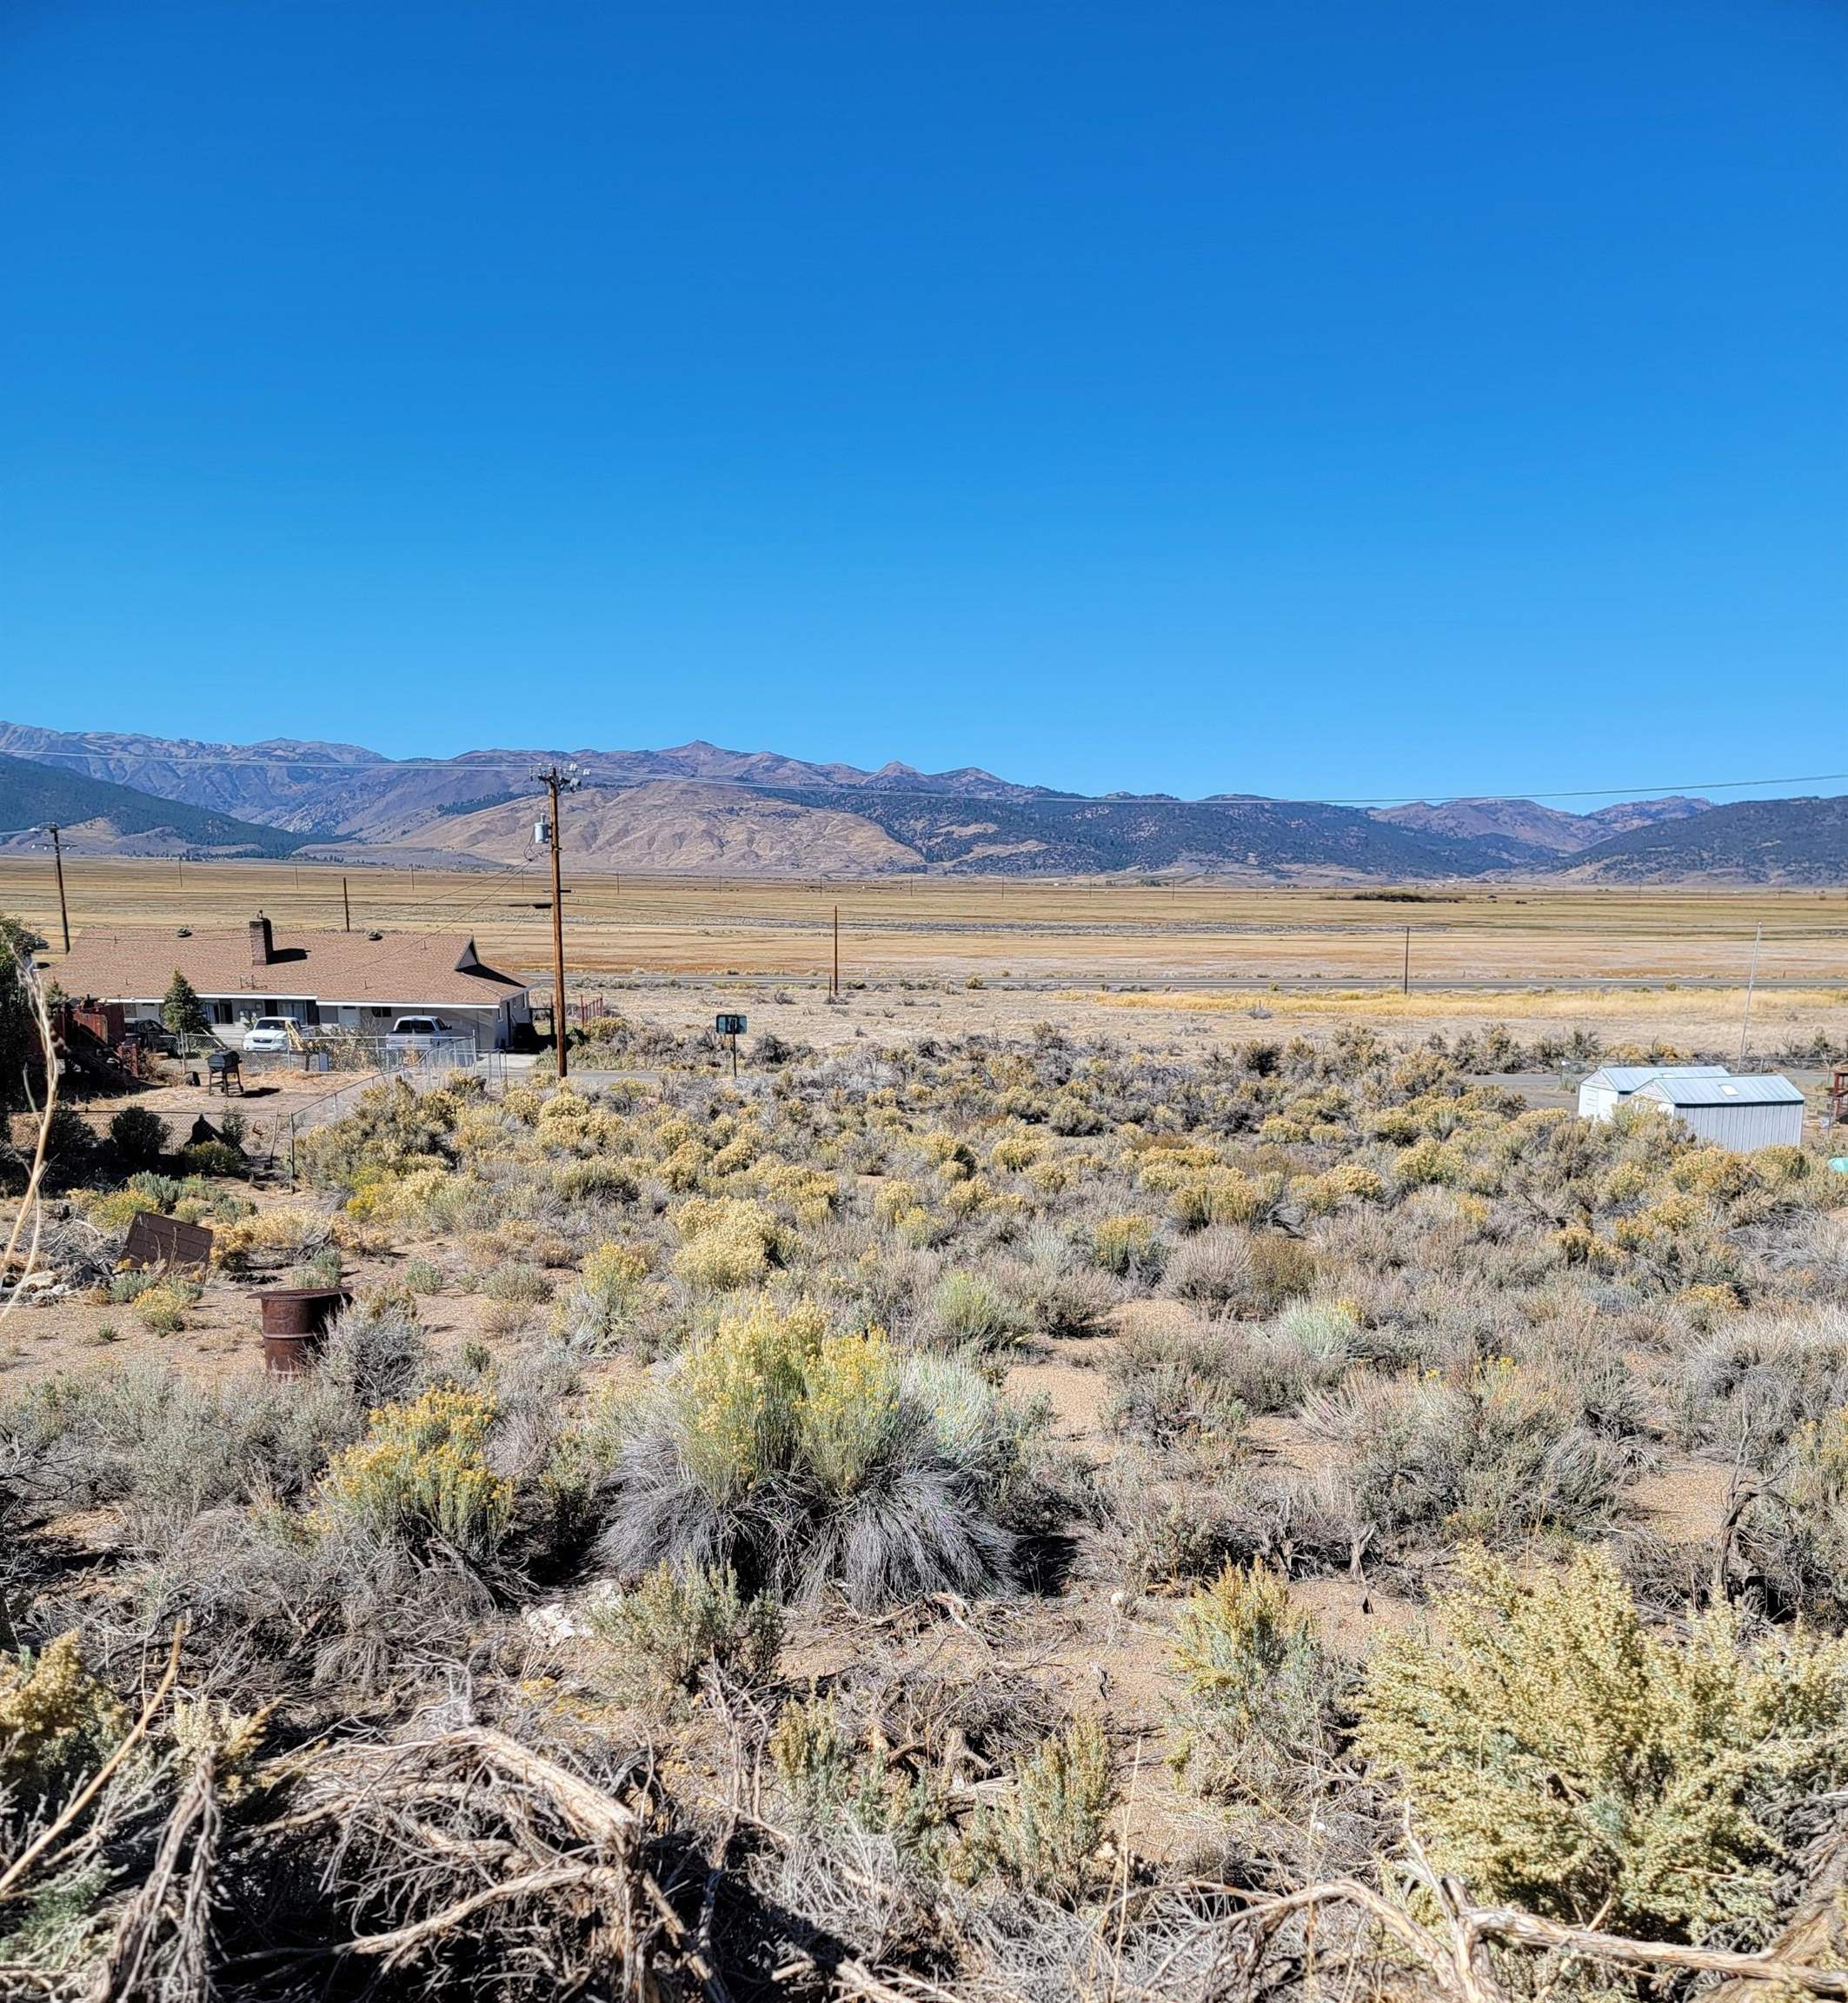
pixel 415 1036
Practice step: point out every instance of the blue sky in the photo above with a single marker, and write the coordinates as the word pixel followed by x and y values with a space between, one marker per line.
pixel 1346 400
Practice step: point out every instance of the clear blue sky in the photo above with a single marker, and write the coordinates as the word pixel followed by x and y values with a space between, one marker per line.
pixel 1339 399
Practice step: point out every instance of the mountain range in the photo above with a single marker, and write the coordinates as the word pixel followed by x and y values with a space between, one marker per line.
pixel 699 808
pixel 95 812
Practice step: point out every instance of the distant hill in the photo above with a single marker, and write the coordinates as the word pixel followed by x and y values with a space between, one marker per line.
pixel 99 818
pixel 683 826
pixel 699 807
pixel 1530 831
pixel 1794 842
pixel 1066 834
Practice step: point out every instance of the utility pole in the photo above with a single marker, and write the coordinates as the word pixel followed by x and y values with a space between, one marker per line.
pixel 346 908
pixel 555 782
pixel 1405 982
pixel 835 989
pixel 1752 982
pixel 57 859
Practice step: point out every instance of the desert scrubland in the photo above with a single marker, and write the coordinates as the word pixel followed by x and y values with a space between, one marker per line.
pixel 1082 1472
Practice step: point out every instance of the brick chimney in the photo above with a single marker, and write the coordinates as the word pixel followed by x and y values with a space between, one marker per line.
pixel 263 942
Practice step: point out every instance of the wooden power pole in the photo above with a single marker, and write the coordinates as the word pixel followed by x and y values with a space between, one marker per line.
pixel 1752 982
pixel 555 782
pixel 834 989
pixel 57 863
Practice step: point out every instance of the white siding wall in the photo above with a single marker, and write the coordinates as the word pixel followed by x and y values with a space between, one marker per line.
pixel 1742 1127
pixel 1596 1101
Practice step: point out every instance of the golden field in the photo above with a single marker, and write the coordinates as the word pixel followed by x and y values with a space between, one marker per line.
pixel 1073 934
pixel 1197 959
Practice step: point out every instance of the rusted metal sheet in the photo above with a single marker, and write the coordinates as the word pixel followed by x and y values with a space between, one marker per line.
pixel 155 1241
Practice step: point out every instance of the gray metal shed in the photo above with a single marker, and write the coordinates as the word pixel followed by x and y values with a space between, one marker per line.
pixel 1738 1113
pixel 1608 1087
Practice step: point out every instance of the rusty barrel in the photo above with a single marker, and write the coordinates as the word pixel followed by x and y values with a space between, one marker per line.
pixel 295 1324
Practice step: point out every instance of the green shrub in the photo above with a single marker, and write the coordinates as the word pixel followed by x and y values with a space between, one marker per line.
pixel 670 1626
pixel 516 1284
pixel 1558 1755
pixel 1261 1688
pixel 970 1309
pixel 1045 1835
pixel 321 1268
pixel 212 1158
pixel 138 1135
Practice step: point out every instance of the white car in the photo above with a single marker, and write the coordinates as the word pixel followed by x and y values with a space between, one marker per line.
pixel 270 1033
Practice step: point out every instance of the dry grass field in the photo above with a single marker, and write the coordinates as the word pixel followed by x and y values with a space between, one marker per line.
pixel 1071 933
pixel 1197 959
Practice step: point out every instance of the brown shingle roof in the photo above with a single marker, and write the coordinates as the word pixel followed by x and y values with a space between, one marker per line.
pixel 403 970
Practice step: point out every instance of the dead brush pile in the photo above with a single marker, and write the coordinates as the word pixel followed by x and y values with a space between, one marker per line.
pixel 718 1621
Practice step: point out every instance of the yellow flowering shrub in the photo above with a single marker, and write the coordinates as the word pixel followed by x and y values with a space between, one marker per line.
pixel 1121 1242
pixel 740 1391
pixel 286 1232
pixel 728 1244
pixel 422 1472
pixel 1015 1151
pixel 57 1719
pixel 161 1307
pixel 846 1408
pixel 115 1209
pixel 892 1199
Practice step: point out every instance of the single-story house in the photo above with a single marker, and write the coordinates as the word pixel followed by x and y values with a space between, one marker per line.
pixel 1736 1113
pixel 347 980
pixel 1606 1090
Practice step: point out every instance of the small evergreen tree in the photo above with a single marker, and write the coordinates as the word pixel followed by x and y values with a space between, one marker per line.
pixel 18 1039
pixel 182 1011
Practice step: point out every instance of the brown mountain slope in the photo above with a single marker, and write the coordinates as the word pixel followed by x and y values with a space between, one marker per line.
pixel 682 824
pixel 1546 830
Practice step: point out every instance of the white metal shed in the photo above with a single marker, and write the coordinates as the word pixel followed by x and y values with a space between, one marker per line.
pixel 1736 1113
pixel 1606 1090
